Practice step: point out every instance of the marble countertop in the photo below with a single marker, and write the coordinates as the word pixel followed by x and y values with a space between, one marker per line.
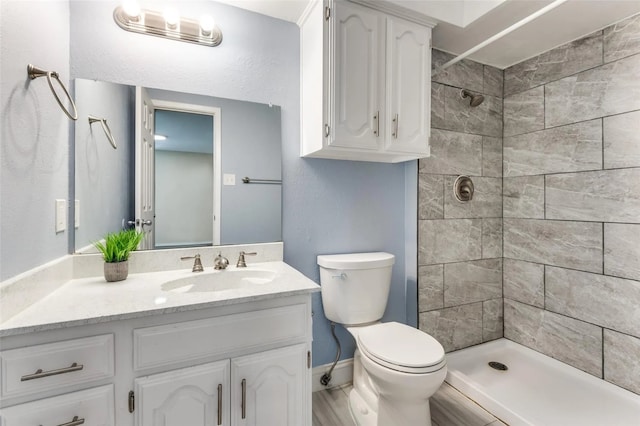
pixel 93 300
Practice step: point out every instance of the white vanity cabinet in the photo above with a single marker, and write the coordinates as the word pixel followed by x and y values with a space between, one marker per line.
pixel 196 396
pixel 236 364
pixel 55 368
pixel 366 84
pixel 266 389
pixel 263 387
pixel 270 387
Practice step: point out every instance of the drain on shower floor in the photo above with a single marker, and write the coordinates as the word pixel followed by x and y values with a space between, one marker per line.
pixel 498 366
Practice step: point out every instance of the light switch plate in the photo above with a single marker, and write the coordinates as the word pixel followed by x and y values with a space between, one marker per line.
pixel 76 214
pixel 229 179
pixel 61 215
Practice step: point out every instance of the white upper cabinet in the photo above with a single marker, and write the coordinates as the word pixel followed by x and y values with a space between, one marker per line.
pixel 365 84
pixel 358 86
pixel 408 87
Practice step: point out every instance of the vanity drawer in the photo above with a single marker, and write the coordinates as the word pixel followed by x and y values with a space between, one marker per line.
pixel 50 366
pixel 192 340
pixel 94 406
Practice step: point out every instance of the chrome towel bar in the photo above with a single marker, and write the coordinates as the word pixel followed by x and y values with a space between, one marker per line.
pixel 265 181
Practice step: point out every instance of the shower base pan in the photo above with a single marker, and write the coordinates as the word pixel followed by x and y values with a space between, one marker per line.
pixel 538 390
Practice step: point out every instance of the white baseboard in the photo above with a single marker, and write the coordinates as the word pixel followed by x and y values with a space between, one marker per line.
pixel 341 375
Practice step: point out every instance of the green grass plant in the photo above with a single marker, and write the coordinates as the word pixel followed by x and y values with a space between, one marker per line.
pixel 117 246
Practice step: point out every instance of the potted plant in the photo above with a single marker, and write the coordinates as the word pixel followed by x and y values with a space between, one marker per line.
pixel 115 251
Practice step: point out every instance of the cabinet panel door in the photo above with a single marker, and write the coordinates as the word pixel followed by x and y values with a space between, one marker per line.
pixel 359 77
pixel 274 388
pixel 408 86
pixel 189 396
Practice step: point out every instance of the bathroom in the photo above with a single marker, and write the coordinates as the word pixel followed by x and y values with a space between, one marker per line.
pixel 535 257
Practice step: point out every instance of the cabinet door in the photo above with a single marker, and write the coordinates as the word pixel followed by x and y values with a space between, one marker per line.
pixel 358 77
pixel 194 396
pixel 408 87
pixel 268 388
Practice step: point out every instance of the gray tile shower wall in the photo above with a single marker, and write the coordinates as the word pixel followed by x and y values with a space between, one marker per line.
pixel 460 244
pixel 571 268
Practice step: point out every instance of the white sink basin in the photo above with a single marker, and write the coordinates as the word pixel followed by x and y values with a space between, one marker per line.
pixel 219 281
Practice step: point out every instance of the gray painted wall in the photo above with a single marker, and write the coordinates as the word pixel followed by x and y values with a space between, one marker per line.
pixel 102 174
pixel 328 206
pixel 34 134
pixel 571 205
pixel 460 244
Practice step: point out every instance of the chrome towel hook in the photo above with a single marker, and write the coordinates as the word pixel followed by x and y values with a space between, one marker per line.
pixel 37 72
pixel 105 127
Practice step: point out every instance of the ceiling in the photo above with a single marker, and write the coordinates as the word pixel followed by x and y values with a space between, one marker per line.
pixel 569 21
pixel 484 18
pixel 184 131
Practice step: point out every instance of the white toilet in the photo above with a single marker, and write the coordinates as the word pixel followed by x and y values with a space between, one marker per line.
pixel 396 367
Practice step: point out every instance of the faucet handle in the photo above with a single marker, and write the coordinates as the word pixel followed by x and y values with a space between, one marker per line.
pixel 220 262
pixel 197 263
pixel 241 262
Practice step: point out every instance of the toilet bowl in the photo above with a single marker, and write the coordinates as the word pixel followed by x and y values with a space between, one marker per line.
pixel 396 367
pixel 396 370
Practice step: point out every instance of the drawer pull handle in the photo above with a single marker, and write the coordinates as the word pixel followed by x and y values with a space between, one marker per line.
pixel 244 398
pixel 219 404
pixel 39 374
pixel 75 422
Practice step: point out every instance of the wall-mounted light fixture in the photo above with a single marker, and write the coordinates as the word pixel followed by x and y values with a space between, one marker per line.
pixel 169 24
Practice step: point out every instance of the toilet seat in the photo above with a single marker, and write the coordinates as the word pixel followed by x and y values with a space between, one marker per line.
pixel 401 347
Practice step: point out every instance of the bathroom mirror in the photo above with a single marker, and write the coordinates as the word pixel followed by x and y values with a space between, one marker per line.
pixel 178 167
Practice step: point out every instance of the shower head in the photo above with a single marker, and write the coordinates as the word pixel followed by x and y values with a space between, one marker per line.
pixel 475 100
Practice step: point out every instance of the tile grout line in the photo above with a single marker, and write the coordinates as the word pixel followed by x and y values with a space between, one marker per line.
pixel 602 359
pixel 602 141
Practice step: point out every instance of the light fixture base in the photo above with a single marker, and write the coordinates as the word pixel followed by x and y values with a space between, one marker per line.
pixel 153 23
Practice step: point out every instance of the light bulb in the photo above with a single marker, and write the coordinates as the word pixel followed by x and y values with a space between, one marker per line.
pixel 207 24
pixel 171 17
pixel 159 137
pixel 131 8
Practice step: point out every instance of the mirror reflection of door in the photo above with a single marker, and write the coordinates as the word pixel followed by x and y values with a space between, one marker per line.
pixel 145 175
pixel 184 179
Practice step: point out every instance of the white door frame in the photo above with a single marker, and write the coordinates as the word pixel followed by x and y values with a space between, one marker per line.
pixel 217 151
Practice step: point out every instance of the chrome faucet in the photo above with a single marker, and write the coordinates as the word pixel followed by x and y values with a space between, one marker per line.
pixel 197 263
pixel 220 262
pixel 241 262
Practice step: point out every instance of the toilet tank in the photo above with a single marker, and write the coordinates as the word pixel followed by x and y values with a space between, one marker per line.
pixel 355 287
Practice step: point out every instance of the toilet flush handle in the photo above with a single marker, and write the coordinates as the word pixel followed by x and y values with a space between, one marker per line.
pixel 342 276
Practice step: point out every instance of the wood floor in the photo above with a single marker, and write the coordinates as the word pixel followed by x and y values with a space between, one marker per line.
pixel 448 408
